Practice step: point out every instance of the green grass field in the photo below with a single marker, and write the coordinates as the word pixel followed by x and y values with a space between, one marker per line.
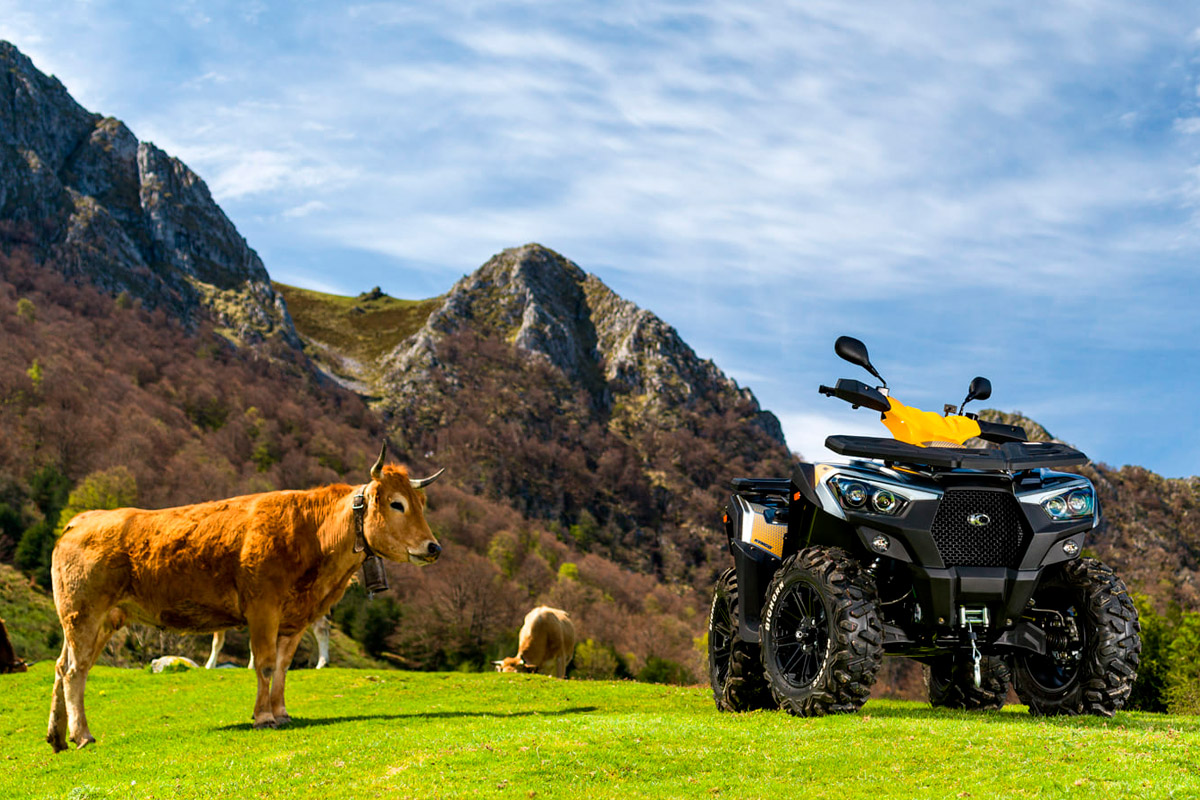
pixel 358 733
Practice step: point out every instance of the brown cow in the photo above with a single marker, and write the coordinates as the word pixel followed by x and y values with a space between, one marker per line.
pixel 546 644
pixel 8 657
pixel 276 562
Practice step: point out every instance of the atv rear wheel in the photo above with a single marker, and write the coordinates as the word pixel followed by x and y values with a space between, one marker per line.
pixel 951 683
pixel 1093 638
pixel 734 666
pixel 822 636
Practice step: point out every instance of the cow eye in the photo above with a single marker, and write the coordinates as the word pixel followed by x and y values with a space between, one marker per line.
pixel 396 504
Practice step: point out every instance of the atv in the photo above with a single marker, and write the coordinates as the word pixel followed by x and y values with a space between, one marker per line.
pixel 967 559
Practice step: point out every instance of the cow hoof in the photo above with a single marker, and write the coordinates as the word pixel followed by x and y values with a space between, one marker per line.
pixel 58 742
pixel 282 719
pixel 84 741
pixel 269 722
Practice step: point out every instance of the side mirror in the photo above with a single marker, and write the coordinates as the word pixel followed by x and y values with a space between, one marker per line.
pixel 980 389
pixel 850 349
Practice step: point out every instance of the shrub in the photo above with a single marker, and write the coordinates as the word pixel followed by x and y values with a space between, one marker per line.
pixel 597 661
pixel 661 670
pixel 1150 689
pixel 34 552
pixel 1183 662
pixel 103 489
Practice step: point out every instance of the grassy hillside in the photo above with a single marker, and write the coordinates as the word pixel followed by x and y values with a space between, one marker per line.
pixel 402 734
pixel 29 616
pixel 348 335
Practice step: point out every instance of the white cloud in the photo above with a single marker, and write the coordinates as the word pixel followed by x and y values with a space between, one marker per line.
pixel 763 176
pixel 311 207
pixel 806 432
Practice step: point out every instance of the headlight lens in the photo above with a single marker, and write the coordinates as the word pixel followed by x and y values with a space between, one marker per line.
pixel 855 495
pixel 1075 503
pixel 859 495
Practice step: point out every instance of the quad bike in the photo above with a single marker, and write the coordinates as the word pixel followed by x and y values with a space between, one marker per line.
pixel 968 559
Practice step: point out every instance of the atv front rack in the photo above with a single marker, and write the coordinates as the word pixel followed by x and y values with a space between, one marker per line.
pixel 1009 457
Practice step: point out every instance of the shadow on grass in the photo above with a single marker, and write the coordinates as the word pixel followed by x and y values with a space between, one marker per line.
pixel 1140 721
pixel 298 723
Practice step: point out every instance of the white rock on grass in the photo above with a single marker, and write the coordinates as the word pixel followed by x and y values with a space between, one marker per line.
pixel 172 664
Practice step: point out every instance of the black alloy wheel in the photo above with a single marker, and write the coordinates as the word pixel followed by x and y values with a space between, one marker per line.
pixel 822 639
pixel 801 633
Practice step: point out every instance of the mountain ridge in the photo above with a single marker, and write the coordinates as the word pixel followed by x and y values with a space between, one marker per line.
pixel 547 306
pixel 102 206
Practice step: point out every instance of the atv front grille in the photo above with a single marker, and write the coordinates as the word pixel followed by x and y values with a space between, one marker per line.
pixel 975 528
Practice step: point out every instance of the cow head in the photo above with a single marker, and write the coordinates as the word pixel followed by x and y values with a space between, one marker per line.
pixel 514 664
pixel 395 524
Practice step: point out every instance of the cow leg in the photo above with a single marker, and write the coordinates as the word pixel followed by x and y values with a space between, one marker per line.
pixel 264 630
pixel 321 631
pixel 284 651
pixel 217 643
pixel 57 733
pixel 86 636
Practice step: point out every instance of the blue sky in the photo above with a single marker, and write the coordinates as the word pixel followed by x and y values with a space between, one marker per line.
pixel 983 188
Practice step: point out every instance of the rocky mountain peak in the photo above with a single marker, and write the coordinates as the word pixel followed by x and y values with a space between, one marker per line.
pixel 98 204
pixel 629 360
pixel 37 113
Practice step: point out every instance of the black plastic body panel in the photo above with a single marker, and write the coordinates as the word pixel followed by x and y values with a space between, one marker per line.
pixel 1000 433
pixel 755 568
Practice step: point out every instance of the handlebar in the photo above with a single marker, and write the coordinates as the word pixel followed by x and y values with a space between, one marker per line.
pixel 857 394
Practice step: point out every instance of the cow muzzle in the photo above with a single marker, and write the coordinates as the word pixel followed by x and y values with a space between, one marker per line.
pixel 426 554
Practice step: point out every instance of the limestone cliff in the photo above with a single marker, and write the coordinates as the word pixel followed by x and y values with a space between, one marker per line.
pixel 98 204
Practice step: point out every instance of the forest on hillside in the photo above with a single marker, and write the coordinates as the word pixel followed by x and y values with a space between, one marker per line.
pixel 104 403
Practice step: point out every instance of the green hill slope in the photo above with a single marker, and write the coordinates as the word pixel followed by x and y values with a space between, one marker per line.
pixel 403 734
pixel 348 336
pixel 29 616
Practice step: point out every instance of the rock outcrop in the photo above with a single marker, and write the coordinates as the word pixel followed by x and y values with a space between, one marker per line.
pixel 636 367
pixel 98 204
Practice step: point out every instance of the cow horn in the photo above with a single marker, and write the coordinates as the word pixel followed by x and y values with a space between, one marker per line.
pixel 377 470
pixel 420 483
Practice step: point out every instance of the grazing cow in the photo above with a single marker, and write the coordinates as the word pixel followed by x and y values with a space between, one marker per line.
pixel 320 630
pixel 547 644
pixel 275 561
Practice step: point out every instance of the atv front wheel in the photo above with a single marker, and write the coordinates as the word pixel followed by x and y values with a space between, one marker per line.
pixel 1092 639
pixel 734 667
pixel 822 639
pixel 951 683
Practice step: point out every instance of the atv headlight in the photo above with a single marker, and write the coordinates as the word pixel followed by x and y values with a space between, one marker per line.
pixel 1074 503
pixel 861 496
